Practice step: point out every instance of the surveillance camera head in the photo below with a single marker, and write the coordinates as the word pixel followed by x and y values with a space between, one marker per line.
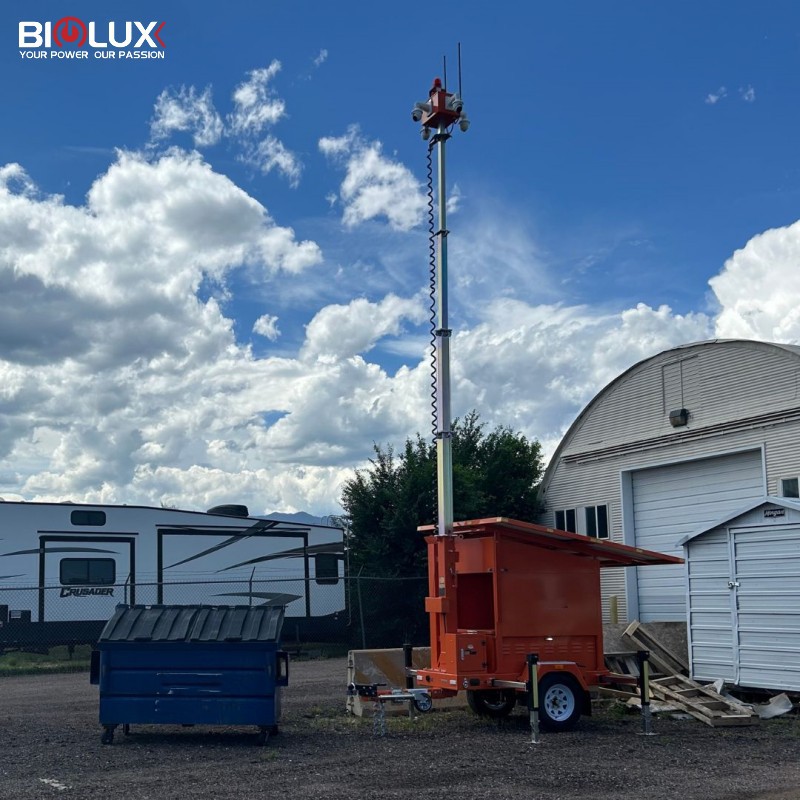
pixel 416 114
pixel 456 104
pixel 463 123
pixel 425 132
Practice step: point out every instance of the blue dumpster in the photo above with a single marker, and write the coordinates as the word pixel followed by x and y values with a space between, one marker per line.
pixel 189 665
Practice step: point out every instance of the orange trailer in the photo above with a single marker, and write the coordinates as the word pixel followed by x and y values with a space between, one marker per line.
pixel 500 589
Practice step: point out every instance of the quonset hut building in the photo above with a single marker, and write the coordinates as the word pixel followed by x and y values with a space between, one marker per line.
pixel 671 446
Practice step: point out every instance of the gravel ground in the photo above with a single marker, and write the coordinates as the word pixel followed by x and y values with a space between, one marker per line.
pixel 50 747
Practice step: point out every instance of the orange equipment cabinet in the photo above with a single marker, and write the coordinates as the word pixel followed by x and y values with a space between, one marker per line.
pixel 499 589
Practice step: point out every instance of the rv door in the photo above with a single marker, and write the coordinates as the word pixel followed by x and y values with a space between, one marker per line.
pixel 84 577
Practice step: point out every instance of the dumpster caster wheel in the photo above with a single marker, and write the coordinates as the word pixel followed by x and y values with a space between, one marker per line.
pixel 263 736
pixel 126 729
pixel 107 737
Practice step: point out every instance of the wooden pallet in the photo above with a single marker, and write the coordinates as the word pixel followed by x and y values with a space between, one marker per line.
pixel 661 657
pixel 702 702
pixel 622 663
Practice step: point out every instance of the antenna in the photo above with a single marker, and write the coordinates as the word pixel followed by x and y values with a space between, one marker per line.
pixel 460 93
pixel 444 71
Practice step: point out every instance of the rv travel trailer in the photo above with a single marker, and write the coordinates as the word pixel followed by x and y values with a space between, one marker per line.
pixel 64 567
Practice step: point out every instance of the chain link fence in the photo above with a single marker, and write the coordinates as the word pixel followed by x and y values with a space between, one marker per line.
pixel 353 612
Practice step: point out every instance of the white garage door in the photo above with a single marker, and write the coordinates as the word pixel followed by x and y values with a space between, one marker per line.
pixel 671 502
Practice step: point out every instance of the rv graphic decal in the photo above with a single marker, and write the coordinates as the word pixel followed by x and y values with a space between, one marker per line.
pixel 333 548
pixel 105 591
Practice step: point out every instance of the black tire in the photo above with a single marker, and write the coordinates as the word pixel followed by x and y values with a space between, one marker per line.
pixel 107 737
pixel 560 702
pixel 494 703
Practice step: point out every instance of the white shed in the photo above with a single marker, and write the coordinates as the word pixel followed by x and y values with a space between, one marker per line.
pixel 669 446
pixel 743 578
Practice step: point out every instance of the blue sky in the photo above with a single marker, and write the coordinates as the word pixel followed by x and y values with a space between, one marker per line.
pixel 212 265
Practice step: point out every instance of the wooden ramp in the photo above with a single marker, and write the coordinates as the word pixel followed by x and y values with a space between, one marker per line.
pixel 702 702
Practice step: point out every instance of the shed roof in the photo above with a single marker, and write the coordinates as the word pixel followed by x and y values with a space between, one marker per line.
pixel 609 554
pixel 783 502
pixel 194 624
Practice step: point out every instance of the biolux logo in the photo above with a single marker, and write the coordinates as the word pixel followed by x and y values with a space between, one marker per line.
pixel 67 37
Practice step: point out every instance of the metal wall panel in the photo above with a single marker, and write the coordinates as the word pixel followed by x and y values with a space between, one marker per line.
pixel 674 501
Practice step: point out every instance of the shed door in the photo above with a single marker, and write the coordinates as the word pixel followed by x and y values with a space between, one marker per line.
pixel 711 632
pixel 766 587
pixel 676 500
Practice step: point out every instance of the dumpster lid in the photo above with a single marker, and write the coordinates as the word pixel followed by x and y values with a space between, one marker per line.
pixel 194 624
pixel 609 554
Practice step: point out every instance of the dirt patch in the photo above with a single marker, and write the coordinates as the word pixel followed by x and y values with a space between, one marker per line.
pixel 51 747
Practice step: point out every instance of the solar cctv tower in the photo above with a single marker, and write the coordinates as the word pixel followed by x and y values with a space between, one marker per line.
pixel 437 115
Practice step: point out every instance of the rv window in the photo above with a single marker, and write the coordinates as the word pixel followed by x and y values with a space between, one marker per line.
pixel 326 567
pixel 87 571
pixel 83 517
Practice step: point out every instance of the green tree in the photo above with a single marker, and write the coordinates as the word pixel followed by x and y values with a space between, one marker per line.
pixel 494 474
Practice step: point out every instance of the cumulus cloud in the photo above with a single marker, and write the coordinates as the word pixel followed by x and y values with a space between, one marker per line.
pixel 267 326
pixel 374 185
pixel 128 383
pixel 712 98
pixel 758 289
pixel 123 369
pixel 321 58
pixel 187 111
pixel 341 331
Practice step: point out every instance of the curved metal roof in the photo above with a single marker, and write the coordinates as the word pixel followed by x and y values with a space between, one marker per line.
pixel 790 348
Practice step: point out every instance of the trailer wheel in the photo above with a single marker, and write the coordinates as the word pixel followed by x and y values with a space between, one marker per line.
pixel 422 702
pixel 492 702
pixel 559 702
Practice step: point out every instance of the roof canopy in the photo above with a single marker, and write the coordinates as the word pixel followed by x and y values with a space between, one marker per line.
pixel 609 554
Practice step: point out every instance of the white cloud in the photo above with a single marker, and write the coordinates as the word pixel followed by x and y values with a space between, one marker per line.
pixel 186 110
pixel 454 199
pixel 267 326
pixel 269 154
pixel 759 288
pixel 714 97
pixel 748 94
pixel 342 331
pixel 321 58
pixel 256 106
pixel 374 185
pixel 128 384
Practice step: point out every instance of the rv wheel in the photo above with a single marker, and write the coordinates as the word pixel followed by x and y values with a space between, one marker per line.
pixel 559 702
pixel 492 702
